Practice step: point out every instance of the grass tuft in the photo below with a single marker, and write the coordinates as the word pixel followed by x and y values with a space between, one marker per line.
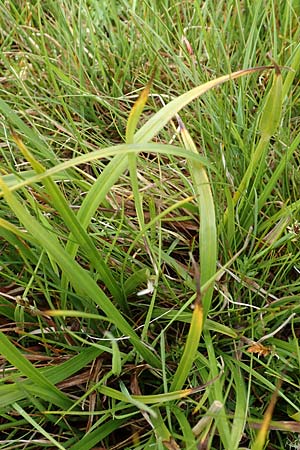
pixel 149 225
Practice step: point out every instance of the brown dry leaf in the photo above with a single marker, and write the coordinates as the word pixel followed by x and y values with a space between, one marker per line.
pixel 171 445
pixel 262 350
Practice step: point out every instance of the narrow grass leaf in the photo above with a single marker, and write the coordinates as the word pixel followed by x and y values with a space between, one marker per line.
pixel 35 425
pixel 208 259
pixel 135 280
pixel 136 111
pixel 185 427
pixel 271 113
pixel 134 116
pixel 13 179
pixel 190 348
pixel 186 317
pixel 15 392
pixel 208 229
pixel 294 68
pixel 15 357
pixel 14 120
pixel 162 433
pixel 150 399
pixel 277 173
pixel 240 414
pixel 134 401
pixel 116 366
pixel 216 392
pixel 90 440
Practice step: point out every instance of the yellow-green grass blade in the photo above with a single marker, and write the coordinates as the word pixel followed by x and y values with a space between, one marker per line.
pixel 208 230
pixel 278 171
pixel 136 279
pixel 208 259
pixel 12 229
pixel 80 279
pixel 271 113
pixel 136 402
pixel 70 313
pixel 136 112
pixel 150 399
pixel 261 438
pixel 116 365
pixel 134 116
pixel 162 434
pixel 95 196
pixel 12 179
pixel 153 126
pixel 56 374
pixel 216 392
pixel 268 125
pixel 186 317
pixel 190 348
pixel 185 426
pixel 294 66
pixel 132 122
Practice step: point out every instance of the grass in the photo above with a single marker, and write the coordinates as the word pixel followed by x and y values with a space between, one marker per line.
pixel 149 225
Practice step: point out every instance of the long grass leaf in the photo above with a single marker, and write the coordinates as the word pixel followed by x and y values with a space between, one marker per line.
pixel 153 126
pixel 78 233
pixel 35 425
pixel 117 150
pixel 208 259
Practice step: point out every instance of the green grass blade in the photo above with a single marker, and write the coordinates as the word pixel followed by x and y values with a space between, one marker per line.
pixel 15 357
pixel 15 121
pixel 240 413
pixel 271 112
pixel 35 425
pixel 93 438
pixel 136 112
pixel 149 399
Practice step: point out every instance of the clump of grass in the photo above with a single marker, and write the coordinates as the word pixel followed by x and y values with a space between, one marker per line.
pixel 149 225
